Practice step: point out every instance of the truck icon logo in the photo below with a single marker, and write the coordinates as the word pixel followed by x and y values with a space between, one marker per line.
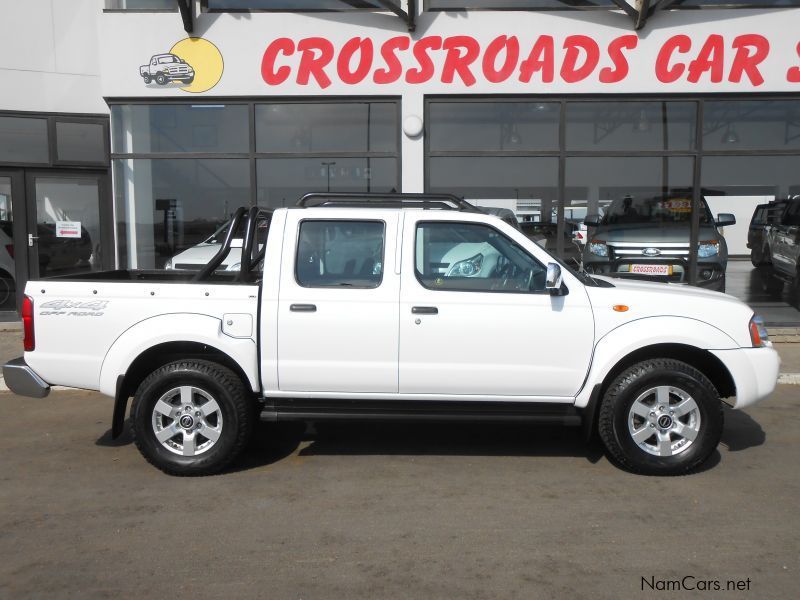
pixel 651 251
pixel 193 64
pixel 166 68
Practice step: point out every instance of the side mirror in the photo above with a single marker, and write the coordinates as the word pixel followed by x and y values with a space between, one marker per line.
pixel 724 219
pixel 592 220
pixel 554 279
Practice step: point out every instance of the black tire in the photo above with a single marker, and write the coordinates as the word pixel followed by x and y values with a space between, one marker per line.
pixel 217 382
pixel 616 407
pixel 188 81
pixel 161 79
pixel 147 78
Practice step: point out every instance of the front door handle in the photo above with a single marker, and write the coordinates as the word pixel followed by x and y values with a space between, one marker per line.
pixel 424 310
pixel 303 308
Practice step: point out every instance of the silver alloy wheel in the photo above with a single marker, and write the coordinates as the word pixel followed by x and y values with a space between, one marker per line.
pixel 664 421
pixel 187 421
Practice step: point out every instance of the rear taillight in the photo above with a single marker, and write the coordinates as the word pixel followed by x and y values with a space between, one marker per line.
pixel 10 250
pixel 27 324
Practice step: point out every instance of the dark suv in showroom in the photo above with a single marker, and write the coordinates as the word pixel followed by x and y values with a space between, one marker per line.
pixel 648 238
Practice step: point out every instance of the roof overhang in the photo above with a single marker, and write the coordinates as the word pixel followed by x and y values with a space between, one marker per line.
pixel 409 16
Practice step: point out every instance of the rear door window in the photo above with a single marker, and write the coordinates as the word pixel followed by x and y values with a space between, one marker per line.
pixel 346 254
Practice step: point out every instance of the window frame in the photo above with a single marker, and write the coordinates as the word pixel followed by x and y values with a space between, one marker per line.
pixel 417 274
pixel 52 119
pixel 80 121
pixel 338 287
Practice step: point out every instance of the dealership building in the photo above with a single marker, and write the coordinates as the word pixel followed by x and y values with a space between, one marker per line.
pixel 131 129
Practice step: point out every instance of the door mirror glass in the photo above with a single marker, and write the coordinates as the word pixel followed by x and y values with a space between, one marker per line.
pixel 554 278
pixel 724 219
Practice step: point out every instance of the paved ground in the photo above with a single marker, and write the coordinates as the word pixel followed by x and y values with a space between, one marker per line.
pixel 401 511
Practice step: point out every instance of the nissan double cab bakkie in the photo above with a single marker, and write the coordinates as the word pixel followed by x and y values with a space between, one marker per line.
pixel 390 306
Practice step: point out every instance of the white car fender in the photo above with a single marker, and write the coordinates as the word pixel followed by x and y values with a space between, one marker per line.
pixel 180 327
pixel 640 333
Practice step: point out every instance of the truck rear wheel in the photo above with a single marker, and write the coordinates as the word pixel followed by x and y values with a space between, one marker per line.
pixel 147 78
pixel 661 417
pixel 191 417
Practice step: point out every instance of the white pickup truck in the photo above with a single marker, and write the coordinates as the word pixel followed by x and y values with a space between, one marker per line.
pixel 394 307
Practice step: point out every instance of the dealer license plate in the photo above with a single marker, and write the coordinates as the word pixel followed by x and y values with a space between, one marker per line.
pixel 663 270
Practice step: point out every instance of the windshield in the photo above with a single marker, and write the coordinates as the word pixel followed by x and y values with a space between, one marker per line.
pixel 168 59
pixel 653 211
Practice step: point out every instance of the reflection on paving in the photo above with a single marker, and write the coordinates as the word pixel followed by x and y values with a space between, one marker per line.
pixel 746 283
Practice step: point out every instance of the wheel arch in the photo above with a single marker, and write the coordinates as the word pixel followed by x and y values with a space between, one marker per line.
pixel 157 356
pixel 702 360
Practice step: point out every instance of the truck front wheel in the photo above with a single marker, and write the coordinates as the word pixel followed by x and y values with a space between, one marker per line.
pixel 191 417
pixel 161 79
pixel 661 417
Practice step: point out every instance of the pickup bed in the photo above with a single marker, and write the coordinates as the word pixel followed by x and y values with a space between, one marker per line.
pixel 394 307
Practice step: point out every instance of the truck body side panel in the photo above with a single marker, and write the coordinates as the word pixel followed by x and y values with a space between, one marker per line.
pixel 77 323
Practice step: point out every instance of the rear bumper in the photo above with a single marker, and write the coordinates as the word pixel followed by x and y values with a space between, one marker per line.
pixel 754 372
pixel 22 380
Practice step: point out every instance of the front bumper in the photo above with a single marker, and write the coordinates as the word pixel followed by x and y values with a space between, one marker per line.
pixel 710 274
pixel 23 380
pixel 754 372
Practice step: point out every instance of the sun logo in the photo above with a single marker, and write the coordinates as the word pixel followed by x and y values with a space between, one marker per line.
pixel 193 64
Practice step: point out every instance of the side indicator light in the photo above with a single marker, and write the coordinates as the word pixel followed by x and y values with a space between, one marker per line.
pixel 620 307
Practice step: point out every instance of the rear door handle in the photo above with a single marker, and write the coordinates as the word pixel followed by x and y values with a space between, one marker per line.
pixel 303 308
pixel 424 310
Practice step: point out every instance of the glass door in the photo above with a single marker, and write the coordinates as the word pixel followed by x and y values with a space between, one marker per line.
pixel 10 199
pixel 65 234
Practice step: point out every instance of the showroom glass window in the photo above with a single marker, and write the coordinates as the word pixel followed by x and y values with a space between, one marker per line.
pixel 325 147
pixel 181 170
pixel 502 152
pixel 559 161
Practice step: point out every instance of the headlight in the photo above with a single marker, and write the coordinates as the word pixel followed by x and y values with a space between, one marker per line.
pixel 758 332
pixel 706 249
pixel 467 268
pixel 234 267
pixel 168 264
pixel 598 248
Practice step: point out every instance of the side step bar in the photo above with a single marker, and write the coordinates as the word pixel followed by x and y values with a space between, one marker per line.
pixel 420 410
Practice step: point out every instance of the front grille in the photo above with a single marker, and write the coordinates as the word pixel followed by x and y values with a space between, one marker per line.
pixel 634 249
